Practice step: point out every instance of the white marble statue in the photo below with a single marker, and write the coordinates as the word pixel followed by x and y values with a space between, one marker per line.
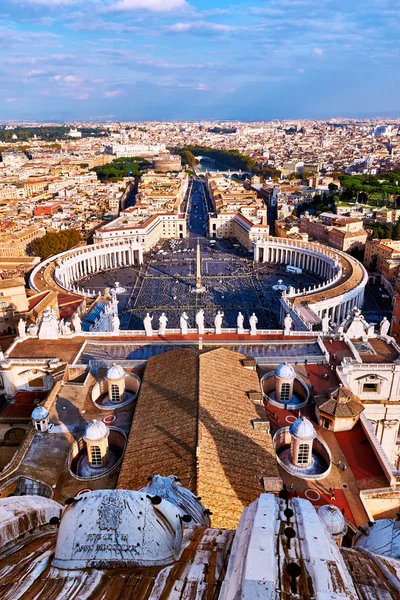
pixel 21 328
pixel 115 323
pixel 200 321
pixel 356 327
pixel 33 329
pixel 184 323
pixel 218 322
pixel 287 324
pixel 48 328
pixel 77 323
pixel 147 324
pixel 65 328
pixel 240 323
pixel 384 327
pixel 325 323
pixel 253 324
pixel 162 324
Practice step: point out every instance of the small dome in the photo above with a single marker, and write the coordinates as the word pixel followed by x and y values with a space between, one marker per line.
pixel 39 413
pixel 96 431
pixel 333 520
pixel 115 372
pixel 285 371
pixel 303 428
pixel 144 531
pixel 170 489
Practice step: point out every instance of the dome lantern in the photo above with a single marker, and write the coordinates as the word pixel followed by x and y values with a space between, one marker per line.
pixel 303 434
pixel 116 383
pixel 96 438
pixel 284 381
pixel 40 418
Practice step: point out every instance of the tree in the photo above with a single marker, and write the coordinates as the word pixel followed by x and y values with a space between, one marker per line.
pixel 188 158
pixel 396 230
pixel 373 262
pixel 55 242
pixel 333 187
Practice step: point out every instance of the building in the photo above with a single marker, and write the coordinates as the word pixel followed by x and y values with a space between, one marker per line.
pixel 46 209
pixel 157 214
pixel 13 300
pixel 238 211
pixel 287 227
pixel 17 242
pixel 133 150
pixel 383 256
pixel 167 162
pixel 343 233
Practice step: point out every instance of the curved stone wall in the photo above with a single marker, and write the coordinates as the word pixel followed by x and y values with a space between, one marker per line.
pixel 344 278
pixel 69 267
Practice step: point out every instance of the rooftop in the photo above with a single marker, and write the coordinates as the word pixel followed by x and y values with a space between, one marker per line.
pixel 197 406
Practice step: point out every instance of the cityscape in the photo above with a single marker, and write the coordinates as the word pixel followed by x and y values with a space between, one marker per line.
pixel 199 301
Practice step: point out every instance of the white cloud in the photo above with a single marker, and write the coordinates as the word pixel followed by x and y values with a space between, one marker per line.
pixel 35 73
pixel 50 3
pixel 318 51
pixel 112 93
pixel 11 99
pixel 83 97
pixel 202 87
pixel 151 5
pixel 66 79
pixel 201 27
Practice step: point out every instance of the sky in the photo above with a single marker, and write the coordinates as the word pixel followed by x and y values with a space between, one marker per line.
pixel 198 59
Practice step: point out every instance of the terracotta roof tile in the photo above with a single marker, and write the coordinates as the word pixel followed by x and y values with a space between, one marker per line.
pixel 196 408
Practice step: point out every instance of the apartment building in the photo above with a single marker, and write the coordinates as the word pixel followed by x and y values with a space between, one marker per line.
pixel 383 256
pixel 238 211
pixel 156 215
pixel 17 241
pixel 343 233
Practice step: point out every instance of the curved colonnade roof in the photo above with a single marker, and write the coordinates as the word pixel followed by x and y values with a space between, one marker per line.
pixel 353 275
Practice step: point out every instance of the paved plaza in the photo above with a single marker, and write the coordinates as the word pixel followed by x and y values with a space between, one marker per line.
pixel 165 284
pixel 165 281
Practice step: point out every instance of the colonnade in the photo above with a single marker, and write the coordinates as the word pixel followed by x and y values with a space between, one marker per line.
pixel 73 265
pixel 342 307
pixel 320 261
pixel 308 260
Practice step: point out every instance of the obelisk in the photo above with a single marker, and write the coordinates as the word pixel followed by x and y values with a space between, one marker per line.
pixel 199 289
pixel 198 268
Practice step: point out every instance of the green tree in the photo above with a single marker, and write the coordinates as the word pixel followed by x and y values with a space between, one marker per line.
pixel 188 158
pixel 55 242
pixel 396 230
pixel 333 187
pixel 373 263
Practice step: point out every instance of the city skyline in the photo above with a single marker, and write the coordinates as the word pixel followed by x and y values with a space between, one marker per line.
pixel 177 60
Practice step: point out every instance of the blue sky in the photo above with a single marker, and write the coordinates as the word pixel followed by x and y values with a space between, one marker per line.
pixel 183 59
